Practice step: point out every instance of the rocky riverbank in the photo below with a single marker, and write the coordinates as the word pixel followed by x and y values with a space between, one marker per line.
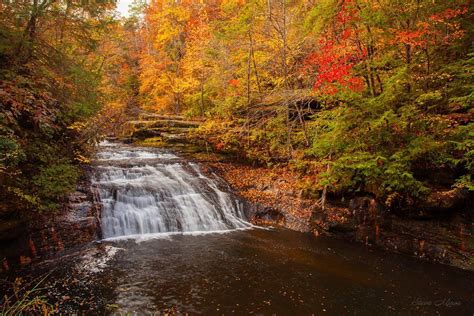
pixel 278 201
pixel 36 239
pixel 441 231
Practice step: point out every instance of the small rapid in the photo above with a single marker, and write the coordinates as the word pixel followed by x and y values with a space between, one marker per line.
pixel 145 192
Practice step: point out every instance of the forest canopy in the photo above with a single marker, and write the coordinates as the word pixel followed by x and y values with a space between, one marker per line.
pixel 53 72
pixel 358 95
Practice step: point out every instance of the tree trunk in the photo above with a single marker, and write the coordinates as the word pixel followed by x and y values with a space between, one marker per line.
pixel 303 125
pixel 408 54
pixel 248 94
pixel 255 66
pixel 325 189
pixel 202 95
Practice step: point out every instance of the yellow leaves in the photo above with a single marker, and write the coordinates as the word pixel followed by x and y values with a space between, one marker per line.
pixel 81 159
pixel 77 126
pixel 168 25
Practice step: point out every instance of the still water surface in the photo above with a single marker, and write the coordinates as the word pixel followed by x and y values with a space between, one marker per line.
pixel 279 272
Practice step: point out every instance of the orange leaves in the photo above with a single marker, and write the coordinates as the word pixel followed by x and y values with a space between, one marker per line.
pixel 275 187
pixel 414 38
pixel 451 28
pixel 220 146
pixel 440 28
pixel 234 82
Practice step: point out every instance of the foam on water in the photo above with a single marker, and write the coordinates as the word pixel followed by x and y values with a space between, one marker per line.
pixel 92 262
pixel 145 237
pixel 132 155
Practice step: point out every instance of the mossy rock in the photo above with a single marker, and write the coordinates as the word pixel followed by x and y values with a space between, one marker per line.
pixel 146 133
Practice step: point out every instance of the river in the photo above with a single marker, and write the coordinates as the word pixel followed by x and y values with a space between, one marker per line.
pixel 178 241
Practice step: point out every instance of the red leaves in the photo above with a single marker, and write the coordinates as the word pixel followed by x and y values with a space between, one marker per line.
pixel 448 14
pixel 336 56
pixel 334 70
pixel 341 46
pixel 441 28
pixel 334 63
pixel 347 13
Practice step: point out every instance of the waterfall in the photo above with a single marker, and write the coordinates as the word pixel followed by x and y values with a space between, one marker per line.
pixel 151 192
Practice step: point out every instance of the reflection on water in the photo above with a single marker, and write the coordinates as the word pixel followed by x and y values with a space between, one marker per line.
pixel 279 272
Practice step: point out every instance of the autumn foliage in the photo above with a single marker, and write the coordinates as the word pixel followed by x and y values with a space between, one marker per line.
pixel 358 95
pixel 336 55
pixel 54 96
pixel 361 96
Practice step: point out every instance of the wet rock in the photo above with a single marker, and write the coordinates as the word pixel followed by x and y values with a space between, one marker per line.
pixel 171 129
pixel 439 202
pixel 41 237
pixel 175 138
pixel 435 238
pixel 145 133
pixel 268 216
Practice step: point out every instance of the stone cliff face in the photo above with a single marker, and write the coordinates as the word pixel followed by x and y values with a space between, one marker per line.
pixel 43 236
pixel 446 239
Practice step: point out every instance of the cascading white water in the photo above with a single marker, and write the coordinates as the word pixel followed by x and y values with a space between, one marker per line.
pixel 144 192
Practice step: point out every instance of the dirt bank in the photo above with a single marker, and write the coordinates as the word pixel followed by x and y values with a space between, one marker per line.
pixel 277 200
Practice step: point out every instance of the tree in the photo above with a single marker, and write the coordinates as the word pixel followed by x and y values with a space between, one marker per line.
pixel 50 75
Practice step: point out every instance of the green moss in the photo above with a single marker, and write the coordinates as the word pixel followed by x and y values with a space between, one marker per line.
pixel 152 142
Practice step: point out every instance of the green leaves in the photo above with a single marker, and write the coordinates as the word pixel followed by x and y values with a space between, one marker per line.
pixel 54 182
pixel 10 153
pixel 379 144
pixel 50 72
